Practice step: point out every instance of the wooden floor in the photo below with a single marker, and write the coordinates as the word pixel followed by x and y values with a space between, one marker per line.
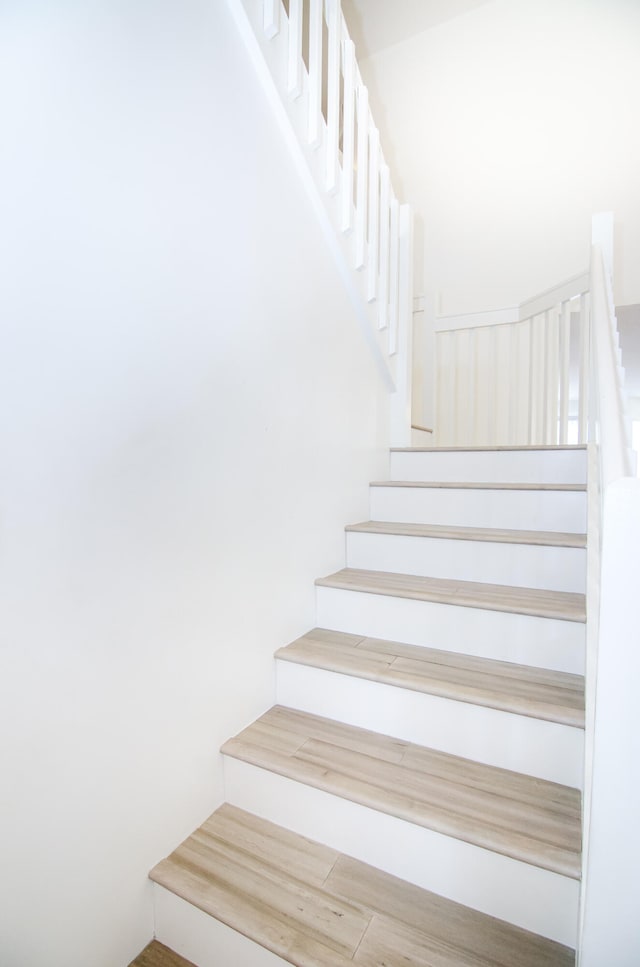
pixel 475 485
pixel 537 692
pixel 525 818
pixel 485 534
pixel 563 605
pixel 157 955
pixel 494 449
pixel 315 907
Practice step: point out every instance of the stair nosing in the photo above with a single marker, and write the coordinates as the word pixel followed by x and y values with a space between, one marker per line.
pixel 497 449
pixel 481 485
pixel 462 533
pixel 569 605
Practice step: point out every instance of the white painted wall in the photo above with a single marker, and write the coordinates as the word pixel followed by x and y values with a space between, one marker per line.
pixel 506 128
pixel 188 417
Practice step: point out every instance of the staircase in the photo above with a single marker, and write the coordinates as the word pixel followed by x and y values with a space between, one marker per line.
pixel 414 797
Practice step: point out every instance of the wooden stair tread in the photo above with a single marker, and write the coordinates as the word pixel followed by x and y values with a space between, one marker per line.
pixel 514 449
pixel 525 818
pixel 316 907
pixel 563 605
pixel 450 532
pixel 475 485
pixel 537 693
pixel 157 955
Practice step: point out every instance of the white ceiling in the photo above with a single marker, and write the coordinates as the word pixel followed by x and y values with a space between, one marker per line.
pixel 376 24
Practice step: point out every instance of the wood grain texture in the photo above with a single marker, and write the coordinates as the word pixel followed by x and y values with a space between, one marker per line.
pixel 484 534
pixel 157 955
pixel 315 907
pixel 473 485
pixel 528 819
pixel 568 446
pixel 561 605
pixel 523 690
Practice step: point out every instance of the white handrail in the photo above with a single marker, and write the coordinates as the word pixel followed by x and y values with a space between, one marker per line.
pixel 562 292
pixel 608 392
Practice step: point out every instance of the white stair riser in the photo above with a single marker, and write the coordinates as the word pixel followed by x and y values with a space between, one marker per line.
pixel 527 896
pixel 546 750
pixel 502 466
pixel 527 640
pixel 202 939
pixel 519 565
pixel 545 510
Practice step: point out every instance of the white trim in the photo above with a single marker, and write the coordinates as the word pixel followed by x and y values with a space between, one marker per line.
pixel 476 320
pixel 569 289
pixel 576 286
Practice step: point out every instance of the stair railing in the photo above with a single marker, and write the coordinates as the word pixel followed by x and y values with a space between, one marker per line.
pixel 546 372
pixel 517 376
pixel 305 59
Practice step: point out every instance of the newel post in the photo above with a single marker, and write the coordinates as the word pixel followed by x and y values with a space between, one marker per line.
pixel 602 238
pixel 400 428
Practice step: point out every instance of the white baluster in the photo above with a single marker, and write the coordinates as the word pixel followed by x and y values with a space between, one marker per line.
pixel 488 336
pixel 363 163
pixel 565 344
pixel 530 407
pixel 536 385
pixel 374 202
pixel 471 346
pixel 501 387
pixel 394 274
pixel 523 390
pixel 294 74
pixel 383 303
pixel 471 427
pixel 348 133
pixel 445 388
pixel 333 94
pixel 584 364
pixel 541 332
pixel 315 71
pixel 400 423
pixel 515 382
pixel 551 377
pixel 271 17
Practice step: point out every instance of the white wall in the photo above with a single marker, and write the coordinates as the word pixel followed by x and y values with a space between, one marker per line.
pixel 507 128
pixel 188 417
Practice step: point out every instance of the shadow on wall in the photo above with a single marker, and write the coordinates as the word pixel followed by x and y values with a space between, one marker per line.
pixel 629 327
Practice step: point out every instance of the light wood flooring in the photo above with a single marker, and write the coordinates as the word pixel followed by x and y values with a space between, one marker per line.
pixel 564 605
pixel 449 532
pixel 476 485
pixel 494 449
pixel 528 819
pixel 536 692
pixel 315 907
pixel 157 955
